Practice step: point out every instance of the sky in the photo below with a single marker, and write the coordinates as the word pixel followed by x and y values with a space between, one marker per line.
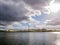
pixel 35 14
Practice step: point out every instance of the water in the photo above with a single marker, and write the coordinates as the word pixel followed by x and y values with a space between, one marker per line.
pixel 27 38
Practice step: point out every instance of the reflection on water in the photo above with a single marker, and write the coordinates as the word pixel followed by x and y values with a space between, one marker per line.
pixel 27 38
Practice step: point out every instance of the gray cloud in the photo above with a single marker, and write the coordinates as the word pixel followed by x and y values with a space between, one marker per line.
pixel 55 21
pixel 37 4
pixel 57 1
pixel 11 11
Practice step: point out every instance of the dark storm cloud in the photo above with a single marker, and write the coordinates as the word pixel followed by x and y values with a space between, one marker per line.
pixel 11 11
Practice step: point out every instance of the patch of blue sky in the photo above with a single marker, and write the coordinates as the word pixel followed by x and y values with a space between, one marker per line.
pixel 41 17
pixel 24 24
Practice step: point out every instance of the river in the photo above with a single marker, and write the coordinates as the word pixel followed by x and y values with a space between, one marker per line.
pixel 27 38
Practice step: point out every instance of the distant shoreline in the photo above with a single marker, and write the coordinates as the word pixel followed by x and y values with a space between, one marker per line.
pixel 30 30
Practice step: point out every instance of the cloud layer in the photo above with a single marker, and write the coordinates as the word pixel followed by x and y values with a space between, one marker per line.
pixel 21 10
pixel 11 11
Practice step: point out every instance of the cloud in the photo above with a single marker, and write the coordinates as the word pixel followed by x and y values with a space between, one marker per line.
pixel 55 21
pixel 52 27
pixel 33 12
pixel 14 25
pixel 54 17
pixel 15 11
pixel 32 20
pixel 11 11
pixel 37 4
pixel 10 27
pixel 33 23
pixel 57 1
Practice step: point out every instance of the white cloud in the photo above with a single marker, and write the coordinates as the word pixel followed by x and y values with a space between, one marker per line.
pixel 32 20
pixel 39 5
pixel 32 12
pixel 10 27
